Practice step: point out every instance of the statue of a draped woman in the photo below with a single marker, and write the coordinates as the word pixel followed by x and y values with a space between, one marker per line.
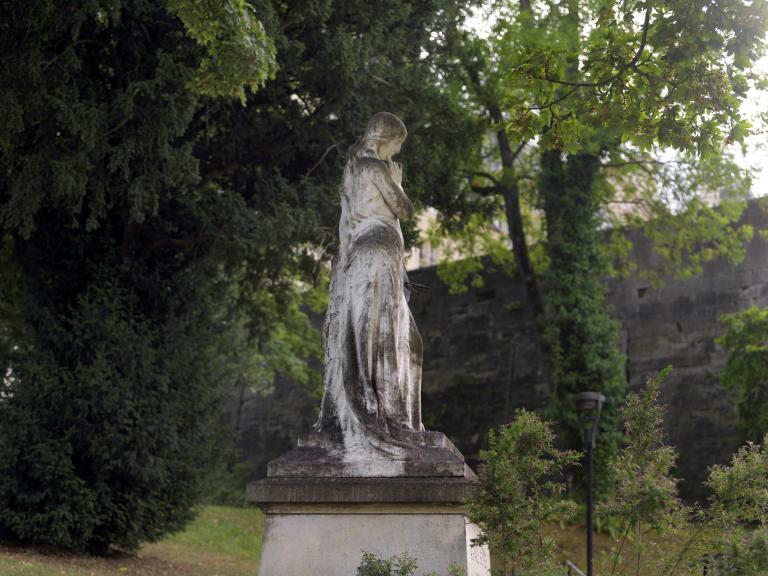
pixel 373 351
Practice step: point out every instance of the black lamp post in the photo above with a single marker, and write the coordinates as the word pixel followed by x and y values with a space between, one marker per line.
pixel 589 405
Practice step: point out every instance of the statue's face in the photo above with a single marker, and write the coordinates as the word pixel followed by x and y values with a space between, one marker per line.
pixel 389 148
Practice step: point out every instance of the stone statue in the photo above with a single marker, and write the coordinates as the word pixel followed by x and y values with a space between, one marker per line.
pixel 369 476
pixel 373 351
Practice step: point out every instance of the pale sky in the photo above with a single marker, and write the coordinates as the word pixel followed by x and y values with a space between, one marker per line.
pixel 757 101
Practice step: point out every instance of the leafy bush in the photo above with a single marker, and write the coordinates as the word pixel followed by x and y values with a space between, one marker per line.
pixel 106 424
pixel 645 497
pixel 518 473
pixel 371 565
pixel 741 556
pixel 728 536
pixel 402 565
pixel 746 373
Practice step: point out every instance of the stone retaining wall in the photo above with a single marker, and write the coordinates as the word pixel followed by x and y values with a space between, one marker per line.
pixel 481 363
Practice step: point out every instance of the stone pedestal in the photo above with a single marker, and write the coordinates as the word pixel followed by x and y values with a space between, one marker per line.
pixel 320 515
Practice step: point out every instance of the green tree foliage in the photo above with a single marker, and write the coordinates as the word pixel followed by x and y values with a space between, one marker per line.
pixel 113 332
pixel 644 73
pixel 509 74
pixel 513 502
pixel 106 422
pixel 481 248
pixel 667 202
pixel 338 64
pixel 609 114
pixel 158 244
pixel 238 49
pixel 652 89
pixel 746 373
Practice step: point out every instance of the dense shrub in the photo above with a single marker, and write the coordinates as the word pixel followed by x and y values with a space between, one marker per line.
pixel 116 323
pixel 106 423
pixel 746 373
pixel 520 472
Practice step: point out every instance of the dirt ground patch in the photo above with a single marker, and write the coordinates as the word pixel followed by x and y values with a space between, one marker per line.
pixel 31 561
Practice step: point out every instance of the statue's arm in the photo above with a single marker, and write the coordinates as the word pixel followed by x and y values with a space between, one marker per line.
pixel 391 191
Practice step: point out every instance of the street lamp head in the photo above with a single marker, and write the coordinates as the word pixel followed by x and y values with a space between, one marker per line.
pixel 588 406
pixel 588 402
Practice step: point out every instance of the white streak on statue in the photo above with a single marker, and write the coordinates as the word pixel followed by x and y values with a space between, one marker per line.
pixel 373 351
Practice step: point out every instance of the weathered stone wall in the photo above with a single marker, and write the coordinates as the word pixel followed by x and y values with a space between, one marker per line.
pixel 481 361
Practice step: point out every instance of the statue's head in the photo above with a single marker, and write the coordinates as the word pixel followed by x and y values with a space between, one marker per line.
pixel 383 136
pixel 385 126
pixel 385 133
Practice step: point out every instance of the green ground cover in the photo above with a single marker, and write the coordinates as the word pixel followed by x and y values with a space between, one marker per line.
pixel 225 541
pixel 221 541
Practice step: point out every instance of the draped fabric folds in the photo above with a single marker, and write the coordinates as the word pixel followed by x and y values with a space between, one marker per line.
pixel 373 350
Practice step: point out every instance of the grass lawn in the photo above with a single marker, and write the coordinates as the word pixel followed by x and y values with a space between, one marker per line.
pixel 571 545
pixel 227 542
pixel 220 542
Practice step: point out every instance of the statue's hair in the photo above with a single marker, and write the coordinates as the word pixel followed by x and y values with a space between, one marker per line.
pixel 382 127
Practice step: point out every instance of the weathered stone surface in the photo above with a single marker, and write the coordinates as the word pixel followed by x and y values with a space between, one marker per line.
pixel 373 350
pixel 328 544
pixel 424 454
pixel 318 463
pixel 271 491
pixel 425 439
pixel 320 526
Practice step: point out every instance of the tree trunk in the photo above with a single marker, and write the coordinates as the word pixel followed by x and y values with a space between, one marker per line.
pixel 582 336
pixel 510 190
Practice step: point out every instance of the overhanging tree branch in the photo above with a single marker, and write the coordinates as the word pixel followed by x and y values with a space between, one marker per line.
pixel 631 64
pixel 486 175
pixel 327 150
pixel 486 190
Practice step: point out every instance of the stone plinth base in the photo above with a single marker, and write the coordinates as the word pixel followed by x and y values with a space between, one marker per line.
pixel 331 543
pixel 320 526
pixel 318 455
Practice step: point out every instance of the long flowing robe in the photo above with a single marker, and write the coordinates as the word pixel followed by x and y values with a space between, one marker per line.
pixel 373 350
